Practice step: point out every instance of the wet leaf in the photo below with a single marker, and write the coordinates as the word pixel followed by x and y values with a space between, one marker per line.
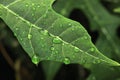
pixel 47 35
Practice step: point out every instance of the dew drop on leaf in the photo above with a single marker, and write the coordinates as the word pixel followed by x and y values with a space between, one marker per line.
pixel 66 61
pixel 96 61
pixel 76 49
pixel 45 32
pixel 35 59
pixel 57 40
pixel 29 36
pixel 52 48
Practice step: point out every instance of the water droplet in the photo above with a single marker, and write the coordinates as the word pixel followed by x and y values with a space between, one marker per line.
pixel 52 48
pixel 57 40
pixel 35 59
pixel 29 36
pixel 66 60
pixel 76 49
pixel 92 49
pixel 96 61
pixel 45 32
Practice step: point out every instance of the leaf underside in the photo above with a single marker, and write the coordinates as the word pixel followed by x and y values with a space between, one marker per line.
pixel 46 35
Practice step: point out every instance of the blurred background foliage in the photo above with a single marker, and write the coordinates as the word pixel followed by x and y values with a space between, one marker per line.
pixel 101 18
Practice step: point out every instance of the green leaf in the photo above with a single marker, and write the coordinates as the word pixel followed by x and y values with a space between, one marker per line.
pixel 46 35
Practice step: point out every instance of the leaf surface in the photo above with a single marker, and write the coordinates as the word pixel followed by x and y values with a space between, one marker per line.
pixel 46 35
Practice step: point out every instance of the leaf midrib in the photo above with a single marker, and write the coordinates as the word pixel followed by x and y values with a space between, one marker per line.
pixel 29 23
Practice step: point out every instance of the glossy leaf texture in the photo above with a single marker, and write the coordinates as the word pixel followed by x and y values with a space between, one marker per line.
pixel 46 35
